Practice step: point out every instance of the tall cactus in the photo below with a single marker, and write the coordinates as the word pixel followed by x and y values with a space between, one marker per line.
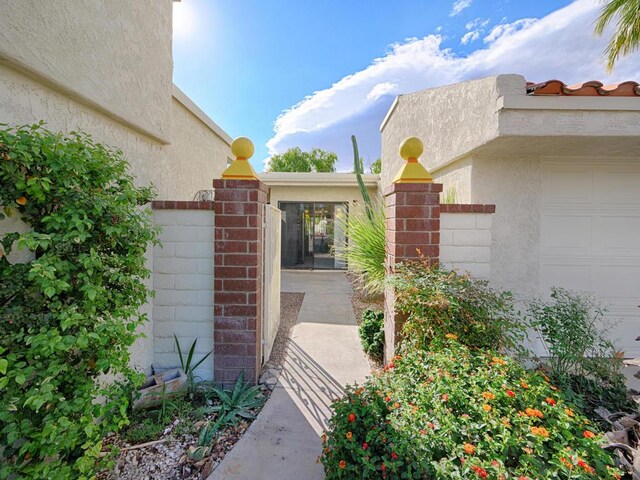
pixel 358 168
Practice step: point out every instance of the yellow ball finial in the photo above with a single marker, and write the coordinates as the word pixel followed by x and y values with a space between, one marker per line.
pixel 242 147
pixel 412 147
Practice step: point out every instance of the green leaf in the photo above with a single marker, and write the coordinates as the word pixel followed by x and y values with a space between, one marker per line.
pixel 3 366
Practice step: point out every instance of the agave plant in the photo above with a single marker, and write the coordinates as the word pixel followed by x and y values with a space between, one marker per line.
pixel 236 403
pixel 187 363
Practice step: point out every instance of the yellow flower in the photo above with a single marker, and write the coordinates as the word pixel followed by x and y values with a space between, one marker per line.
pixel 349 435
pixel 486 407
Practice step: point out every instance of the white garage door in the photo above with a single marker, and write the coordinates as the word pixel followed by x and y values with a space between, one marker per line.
pixel 590 237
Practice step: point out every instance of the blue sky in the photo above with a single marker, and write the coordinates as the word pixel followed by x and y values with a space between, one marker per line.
pixel 311 73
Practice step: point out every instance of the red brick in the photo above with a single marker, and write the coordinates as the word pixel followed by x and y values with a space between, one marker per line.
pixel 230 298
pixel 240 285
pixel 226 246
pixel 240 233
pixel 230 323
pixel 223 183
pixel 411 251
pixel 217 310
pixel 253 247
pixel 230 221
pixel 250 208
pixel 241 259
pixel 422 225
pixel 242 361
pixel 233 349
pixel 242 310
pixel 251 298
pixel 413 211
pixel 239 336
pixel 233 208
pixel 253 220
pixel 408 237
pixel 230 272
pixel 252 272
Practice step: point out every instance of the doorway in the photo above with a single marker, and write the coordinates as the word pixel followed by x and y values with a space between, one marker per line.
pixel 310 233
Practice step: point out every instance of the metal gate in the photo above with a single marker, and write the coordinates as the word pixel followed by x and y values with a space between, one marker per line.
pixel 271 238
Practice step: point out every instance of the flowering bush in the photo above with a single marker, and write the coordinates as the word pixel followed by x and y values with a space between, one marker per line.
pixel 437 301
pixel 371 332
pixel 70 313
pixel 456 413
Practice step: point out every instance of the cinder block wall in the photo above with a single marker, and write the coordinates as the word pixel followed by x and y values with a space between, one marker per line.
pixel 183 281
pixel 465 239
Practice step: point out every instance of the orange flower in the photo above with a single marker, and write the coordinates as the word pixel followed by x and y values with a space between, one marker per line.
pixel 540 431
pixel 506 422
pixel 342 464
pixel 324 438
pixel 451 336
pixel 569 412
pixel 21 200
pixel 498 361
pixel 551 401
pixel 486 407
pixel 469 448
pixel 588 434
pixel 534 412
pixel 359 391
pixel 396 405
pixel 352 417
pixel 527 450
pixel 585 466
pixel 349 435
pixel 566 462
pixel 445 397
pixel 488 396
pixel 523 384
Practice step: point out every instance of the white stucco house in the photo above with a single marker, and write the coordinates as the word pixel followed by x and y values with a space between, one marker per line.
pixel 562 166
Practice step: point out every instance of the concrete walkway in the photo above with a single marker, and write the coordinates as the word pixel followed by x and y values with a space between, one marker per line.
pixel 324 355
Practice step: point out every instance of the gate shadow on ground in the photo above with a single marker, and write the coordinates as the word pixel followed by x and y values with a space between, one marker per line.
pixel 312 388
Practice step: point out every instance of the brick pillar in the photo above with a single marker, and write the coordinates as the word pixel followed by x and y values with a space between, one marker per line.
pixel 238 285
pixel 413 230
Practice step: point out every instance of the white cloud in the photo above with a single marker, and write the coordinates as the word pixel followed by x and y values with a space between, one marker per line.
pixel 508 29
pixel 471 36
pixel 561 45
pixel 478 23
pixel 459 6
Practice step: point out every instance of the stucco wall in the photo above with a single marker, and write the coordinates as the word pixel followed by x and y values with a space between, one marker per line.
pixel 450 121
pixel 512 184
pixel 319 193
pixel 183 281
pixel 114 55
pixel 195 156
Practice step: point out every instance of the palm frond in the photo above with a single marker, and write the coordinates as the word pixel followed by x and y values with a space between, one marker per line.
pixel 626 37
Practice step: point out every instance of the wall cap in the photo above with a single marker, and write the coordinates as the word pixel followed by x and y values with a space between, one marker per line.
pixel 182 205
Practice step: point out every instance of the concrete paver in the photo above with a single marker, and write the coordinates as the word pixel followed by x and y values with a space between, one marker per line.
pixel 324 355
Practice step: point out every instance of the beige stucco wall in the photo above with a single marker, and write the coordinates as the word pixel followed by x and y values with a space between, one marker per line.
pixel 450 121
pixel 115 55
pixel 349 194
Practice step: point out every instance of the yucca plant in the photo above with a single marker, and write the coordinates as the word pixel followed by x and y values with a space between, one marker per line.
pixel 186 363
pixel 237 402
pixel 365 249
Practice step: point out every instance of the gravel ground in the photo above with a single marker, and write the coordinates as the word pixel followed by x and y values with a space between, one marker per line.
pixel 290 304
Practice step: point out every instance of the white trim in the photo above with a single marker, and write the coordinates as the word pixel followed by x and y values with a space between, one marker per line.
pixel 313 179
pixel 559 102
pixel 389 113
pixel 189 104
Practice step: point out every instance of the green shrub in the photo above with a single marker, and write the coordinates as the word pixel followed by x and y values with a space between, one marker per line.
pixel 371 331
pixel 365 249
pixel 70 314
pixel 437 302
pixel 582 358
pixel 460 413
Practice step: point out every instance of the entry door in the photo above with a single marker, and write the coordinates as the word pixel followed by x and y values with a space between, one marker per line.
pixel 309 234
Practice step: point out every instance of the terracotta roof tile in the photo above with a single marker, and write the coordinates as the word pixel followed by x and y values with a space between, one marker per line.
pixel 592 88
